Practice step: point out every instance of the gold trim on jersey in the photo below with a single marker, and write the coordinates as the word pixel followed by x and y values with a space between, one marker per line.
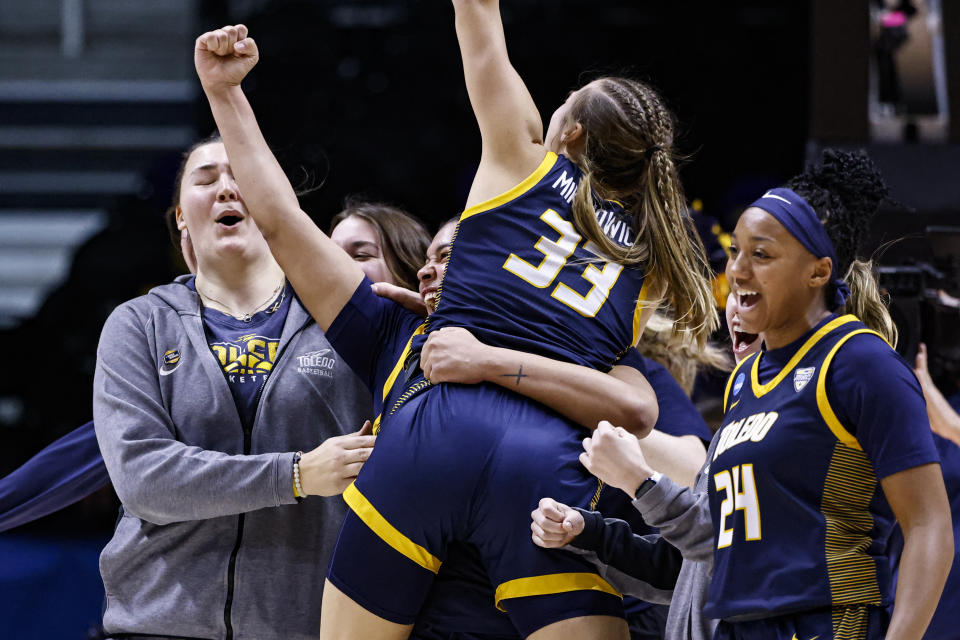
pixel 392 378
pixel 851 623
pixel 387 532
pixel 528 183
pixel 760 390
pixel 726 391
pixel 638 310
pixel 550 584
pixel 596 495
pixel 847 491
pixel 823 403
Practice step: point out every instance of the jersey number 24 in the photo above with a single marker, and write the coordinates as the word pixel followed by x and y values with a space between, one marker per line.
pixel 740 490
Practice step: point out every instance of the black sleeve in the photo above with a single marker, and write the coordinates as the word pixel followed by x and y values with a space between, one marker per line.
pixel 642 566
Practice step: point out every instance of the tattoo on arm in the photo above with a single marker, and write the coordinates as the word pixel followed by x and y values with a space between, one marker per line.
pixel 519 374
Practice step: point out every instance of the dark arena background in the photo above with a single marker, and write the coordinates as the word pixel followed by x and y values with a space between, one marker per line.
pixel 98 99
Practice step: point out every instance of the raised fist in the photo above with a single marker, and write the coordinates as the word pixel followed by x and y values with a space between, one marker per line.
pixel 224 57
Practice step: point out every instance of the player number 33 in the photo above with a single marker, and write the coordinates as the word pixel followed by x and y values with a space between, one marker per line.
pixel 555 255
pixel 740 490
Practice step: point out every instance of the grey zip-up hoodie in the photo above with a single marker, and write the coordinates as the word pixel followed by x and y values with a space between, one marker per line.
pixel 211 542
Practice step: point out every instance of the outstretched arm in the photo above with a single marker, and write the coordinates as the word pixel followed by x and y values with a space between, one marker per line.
pixel 510 125
pixel 581 394
pixel 64 472
pixel 322 274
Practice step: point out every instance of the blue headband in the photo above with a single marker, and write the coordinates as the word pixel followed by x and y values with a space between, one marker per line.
pixel 797 216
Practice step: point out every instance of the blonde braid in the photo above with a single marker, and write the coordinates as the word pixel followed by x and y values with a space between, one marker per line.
pixel 628 156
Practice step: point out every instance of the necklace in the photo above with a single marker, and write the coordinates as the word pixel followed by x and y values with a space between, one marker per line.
pixel 248 316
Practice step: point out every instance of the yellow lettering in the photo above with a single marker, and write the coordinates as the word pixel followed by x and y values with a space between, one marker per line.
pixel 256 346
pixel 221 352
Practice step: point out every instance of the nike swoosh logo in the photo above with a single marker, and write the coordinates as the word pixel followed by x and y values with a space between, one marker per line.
pixel 166 373
pixel 776 197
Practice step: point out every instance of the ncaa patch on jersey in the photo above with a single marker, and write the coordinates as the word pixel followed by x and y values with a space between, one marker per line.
pixel 738 383
pixel 801 377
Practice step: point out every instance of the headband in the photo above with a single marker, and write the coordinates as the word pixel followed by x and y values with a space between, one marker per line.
pixel 798 217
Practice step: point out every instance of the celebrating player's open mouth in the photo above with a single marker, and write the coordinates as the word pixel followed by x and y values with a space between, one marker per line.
pixel 229 218
pixel 429 295
pixel 744 342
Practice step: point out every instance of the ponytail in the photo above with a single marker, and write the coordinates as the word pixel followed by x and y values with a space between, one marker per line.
pixel 866 303
pixel 667 243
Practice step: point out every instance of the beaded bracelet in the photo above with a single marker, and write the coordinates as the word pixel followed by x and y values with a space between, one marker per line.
pixel 298 492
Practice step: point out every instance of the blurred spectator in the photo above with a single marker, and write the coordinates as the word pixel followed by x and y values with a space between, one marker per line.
pixel 892 35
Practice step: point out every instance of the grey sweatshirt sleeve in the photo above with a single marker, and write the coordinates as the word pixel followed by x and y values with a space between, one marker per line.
pixel 681 515
pixel 158 478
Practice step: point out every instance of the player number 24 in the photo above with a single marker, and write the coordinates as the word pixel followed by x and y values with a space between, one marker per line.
pixel 555 255
pixel 740 495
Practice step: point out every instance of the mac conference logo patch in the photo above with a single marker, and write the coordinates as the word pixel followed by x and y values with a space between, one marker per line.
pixel 171 360
pixel 801 377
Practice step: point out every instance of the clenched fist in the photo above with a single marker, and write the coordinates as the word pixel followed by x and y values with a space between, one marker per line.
pixel 224 57
pixel 554 524
pixel 614 455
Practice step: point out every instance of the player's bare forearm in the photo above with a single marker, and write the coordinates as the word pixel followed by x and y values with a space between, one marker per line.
pixel 677 457
pixel 919 501
pixel 505 111
pixel 265 187
pixel 924 564
pixel 323 275
pixel 943 419
pixel 581 394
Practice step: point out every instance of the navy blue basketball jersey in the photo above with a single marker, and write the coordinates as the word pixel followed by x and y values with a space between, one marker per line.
pixel 520 275
pixel 799 518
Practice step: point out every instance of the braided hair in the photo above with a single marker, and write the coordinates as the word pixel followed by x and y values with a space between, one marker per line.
pixel 629 156
pixel 845 190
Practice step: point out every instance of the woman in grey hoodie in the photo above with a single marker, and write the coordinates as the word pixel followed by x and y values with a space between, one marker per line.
pixel 206 390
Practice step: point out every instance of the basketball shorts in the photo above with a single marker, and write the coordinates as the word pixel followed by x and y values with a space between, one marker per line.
pixel 468 463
